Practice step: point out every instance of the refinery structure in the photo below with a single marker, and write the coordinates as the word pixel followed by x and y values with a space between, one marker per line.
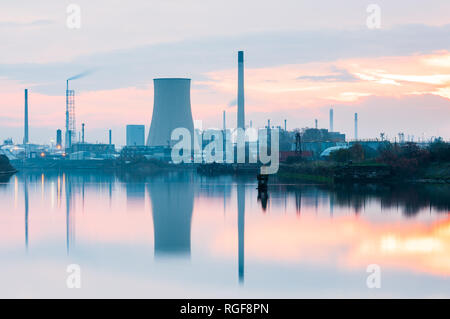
pixel 171 110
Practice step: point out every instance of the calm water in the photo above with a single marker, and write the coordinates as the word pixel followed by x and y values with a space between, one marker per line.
pixel 183 235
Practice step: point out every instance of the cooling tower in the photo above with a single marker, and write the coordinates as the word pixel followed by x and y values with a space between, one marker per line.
pixel 171 110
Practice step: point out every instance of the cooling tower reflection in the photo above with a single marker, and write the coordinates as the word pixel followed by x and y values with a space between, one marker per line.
pixel 172 205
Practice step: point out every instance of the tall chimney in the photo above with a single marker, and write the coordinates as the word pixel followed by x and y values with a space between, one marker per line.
pixel 110 137
pixel 285 125
pixel 25 134
pixel 315 122
pixel 82 133
pixel 356 126
pixel 331 120
pixel 240 100
pixel 224 121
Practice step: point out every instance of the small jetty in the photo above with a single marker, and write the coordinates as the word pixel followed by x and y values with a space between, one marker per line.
pixel 263 196
pixel 263 179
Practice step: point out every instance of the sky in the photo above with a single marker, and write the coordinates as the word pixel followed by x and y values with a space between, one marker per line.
pixel 301 58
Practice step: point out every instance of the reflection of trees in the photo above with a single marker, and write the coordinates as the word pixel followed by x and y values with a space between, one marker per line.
pixel 4 179
pixel 409 198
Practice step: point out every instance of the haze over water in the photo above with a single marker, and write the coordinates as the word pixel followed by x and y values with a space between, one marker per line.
pixel 184 235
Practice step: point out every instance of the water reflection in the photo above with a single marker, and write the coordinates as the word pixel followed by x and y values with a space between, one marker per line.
pixel 241 227
pixel 172 204
pixel 25 186
pixel 69 202
pixel 346 226
pixel 408 199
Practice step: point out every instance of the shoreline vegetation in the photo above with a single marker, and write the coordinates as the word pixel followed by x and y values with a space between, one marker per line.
pixel 393 163
pixel 329 173
pixel 5 166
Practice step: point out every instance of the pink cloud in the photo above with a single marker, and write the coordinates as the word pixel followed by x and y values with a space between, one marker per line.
pixel 298 92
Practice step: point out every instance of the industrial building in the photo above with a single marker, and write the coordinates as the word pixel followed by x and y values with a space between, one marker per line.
pixel 88 150
pixel 135 135
pixel 136 153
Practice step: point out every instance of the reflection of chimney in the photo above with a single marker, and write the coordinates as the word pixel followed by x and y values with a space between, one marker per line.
pixel 240 100
pixel 26 211
pixel 356 126
pixel 241 228
pixel 331 120
pixel 25 135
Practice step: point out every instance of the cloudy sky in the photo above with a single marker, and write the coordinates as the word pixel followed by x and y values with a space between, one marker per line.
pixel 301 57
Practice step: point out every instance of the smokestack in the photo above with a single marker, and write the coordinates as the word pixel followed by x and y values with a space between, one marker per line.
pixel 82 133
pixel 356 126
pixel 67 115
pixel 25 134
pixel 331 120
pixel 69 139
pixel 224 122
pixel 110 137
pixel 240 100
pixel 268 123
pixel 315 122
pixel 285 125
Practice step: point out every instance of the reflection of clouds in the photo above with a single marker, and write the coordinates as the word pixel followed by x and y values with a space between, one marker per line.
pixel 420 248
pixel 348 242
pixel 402 238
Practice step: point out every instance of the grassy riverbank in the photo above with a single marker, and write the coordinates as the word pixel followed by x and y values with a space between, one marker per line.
pixel 331 172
